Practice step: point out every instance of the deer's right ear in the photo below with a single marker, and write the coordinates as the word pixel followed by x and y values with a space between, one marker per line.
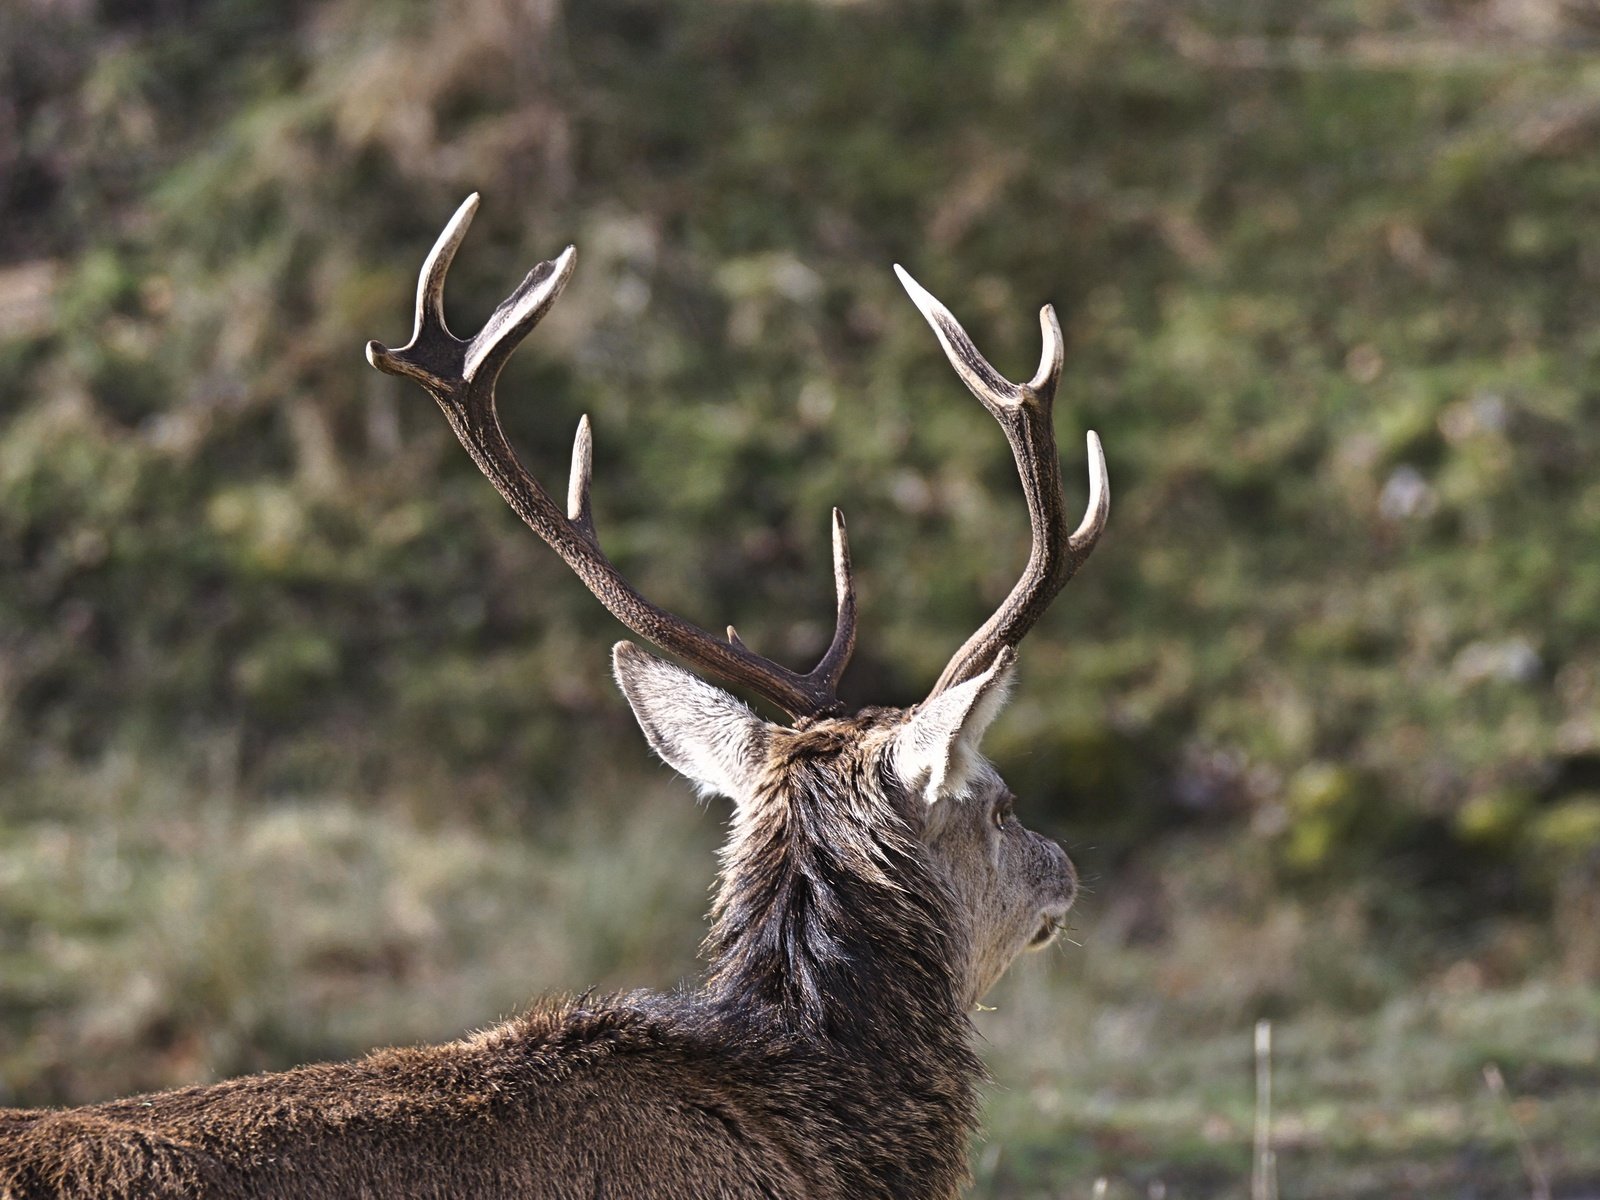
pixel 934 752
pixel 699 730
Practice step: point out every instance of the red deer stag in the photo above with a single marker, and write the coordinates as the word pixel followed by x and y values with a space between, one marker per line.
pixel 875 883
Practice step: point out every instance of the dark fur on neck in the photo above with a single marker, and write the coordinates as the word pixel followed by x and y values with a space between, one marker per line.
pixel 829 915
pixel 831 926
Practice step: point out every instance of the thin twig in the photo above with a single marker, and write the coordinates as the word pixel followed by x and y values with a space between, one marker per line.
pixel 1264 1179
pixel 1538 1181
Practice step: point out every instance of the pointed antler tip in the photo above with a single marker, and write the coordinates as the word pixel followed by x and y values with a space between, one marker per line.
pixel 927 303
pixel 462 217
pixel 841 544
pixel 430 283
pixel 1097 455
pixel 1053 352
pixel 582 448
pixel 915 290
pixel 580 478
pixel 1099 506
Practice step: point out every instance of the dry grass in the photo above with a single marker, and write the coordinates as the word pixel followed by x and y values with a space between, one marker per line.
pixel 159 931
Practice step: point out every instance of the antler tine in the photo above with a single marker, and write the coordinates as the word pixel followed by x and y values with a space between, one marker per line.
pixel 460 375
pixel 579 509
pixel 837 656
pixel 430 284
pixel 1025 414
pixel 843 645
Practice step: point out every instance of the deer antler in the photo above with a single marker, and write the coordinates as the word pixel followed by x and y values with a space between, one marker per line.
pixel 1024 412
pixel 460 375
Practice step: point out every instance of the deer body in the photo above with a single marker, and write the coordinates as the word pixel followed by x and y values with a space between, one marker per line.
pixel 826 1056
pixel 875 884
pixel 632 1097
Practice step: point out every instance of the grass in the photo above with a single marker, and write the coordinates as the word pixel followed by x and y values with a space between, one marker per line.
pixel 1386 1103
pixel 162 930
pixel 158 936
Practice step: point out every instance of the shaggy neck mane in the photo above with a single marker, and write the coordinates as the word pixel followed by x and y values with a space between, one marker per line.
pixel 828 916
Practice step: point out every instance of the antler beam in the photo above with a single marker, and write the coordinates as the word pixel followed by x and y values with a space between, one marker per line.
pixel 1025 414
pixel 460 374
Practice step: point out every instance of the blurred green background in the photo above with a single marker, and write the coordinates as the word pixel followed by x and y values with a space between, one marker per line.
pixel 307 746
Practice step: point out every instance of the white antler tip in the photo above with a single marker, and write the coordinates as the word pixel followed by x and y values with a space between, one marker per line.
pixel 1099 507
pixel 927 303
pixel 1097 459
pixel 920 295
pixel 581 475
pixel 464 213
pixel 841 543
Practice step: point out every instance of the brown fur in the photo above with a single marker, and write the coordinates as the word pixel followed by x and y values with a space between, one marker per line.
pixel 826 1055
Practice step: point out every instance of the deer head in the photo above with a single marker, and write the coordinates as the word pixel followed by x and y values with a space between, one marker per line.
pixel 875 859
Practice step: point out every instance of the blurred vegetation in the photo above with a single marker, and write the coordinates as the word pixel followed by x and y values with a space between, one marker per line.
pixel 305 743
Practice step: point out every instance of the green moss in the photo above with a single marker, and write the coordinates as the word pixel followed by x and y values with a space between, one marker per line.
pixel 1493 819
pixel 1569 829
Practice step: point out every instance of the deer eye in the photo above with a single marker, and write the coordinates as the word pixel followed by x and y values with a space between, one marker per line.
pixel 1004 810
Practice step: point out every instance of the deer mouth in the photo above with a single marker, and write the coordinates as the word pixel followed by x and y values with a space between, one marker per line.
pixel 1051 922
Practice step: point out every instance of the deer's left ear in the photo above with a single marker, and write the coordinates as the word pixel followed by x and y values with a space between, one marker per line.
pixel 935 750
pixel 700 731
